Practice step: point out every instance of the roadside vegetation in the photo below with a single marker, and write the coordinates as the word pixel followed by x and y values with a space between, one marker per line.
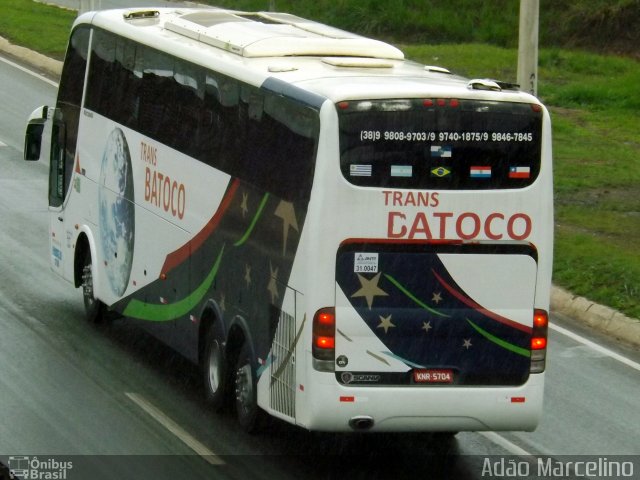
pixel 588 77
pixel 594 104
pixel 40 27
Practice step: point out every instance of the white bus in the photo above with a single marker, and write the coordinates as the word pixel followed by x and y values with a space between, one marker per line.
pixel 341 238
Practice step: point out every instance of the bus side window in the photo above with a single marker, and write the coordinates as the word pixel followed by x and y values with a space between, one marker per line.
pixel 102 72
pixel 281 146
pixel 220 137
pixel 157 93
pixel 65 133
pixel 189 101
pixel 211 125
pixel 125 109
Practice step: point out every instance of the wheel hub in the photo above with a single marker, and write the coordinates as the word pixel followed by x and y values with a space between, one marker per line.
pixel 87 283
pixel 214 367
pixel 244 387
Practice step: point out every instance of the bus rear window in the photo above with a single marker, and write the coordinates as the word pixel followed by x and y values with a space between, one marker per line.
pixel 440 143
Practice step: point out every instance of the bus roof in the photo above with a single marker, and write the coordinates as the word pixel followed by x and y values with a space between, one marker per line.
pixel 255 46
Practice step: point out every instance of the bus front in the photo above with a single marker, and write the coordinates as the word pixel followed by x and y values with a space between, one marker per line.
pixel 441 248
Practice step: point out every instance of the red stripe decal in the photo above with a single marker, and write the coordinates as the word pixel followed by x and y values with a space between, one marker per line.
pixel 176 258
pixel 470 303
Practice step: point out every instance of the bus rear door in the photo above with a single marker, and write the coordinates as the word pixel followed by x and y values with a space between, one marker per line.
pixel 424 314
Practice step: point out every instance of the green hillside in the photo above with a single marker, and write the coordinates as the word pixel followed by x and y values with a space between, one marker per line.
pixel 602 25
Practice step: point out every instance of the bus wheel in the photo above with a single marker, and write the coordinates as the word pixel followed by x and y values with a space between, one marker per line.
pixel 246 399
pixel 93 308
pixel 214 369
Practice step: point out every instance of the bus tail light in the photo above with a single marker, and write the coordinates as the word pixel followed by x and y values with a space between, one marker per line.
pixel 441 102
pixel 324 339
pixel 539 340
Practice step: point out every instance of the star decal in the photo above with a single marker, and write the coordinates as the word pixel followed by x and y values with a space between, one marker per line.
pixel 286 212
pixel 426 326
pixel 467 344
pixel 247 275
pixel 272 287
pixel 370 289
pixel 243 205
pixel 385 322
pixel 437 297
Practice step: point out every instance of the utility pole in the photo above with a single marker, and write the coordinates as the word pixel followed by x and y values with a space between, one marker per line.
pixel 528 46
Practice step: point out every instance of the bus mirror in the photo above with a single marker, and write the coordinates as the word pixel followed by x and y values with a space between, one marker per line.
pixel 33 136
pixel 33 141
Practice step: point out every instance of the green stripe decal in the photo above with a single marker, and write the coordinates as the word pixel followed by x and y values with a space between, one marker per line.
pixel 403 360
pixel 414 298
pixel 163 313
pixel 498 341
pixel 252 225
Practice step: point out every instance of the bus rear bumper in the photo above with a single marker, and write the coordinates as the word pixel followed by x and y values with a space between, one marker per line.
pixel 338 408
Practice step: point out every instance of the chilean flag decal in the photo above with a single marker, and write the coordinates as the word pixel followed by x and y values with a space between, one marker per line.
pixel 519 172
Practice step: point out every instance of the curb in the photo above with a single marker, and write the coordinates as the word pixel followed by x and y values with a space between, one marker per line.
pixel 35 59
pixel 598 317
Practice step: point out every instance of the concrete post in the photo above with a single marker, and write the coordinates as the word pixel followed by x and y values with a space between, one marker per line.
pixel 528 46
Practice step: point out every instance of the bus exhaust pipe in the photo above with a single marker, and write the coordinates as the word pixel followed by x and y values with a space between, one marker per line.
pixel 361 423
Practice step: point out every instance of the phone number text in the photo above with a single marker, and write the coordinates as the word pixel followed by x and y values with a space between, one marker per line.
pixel 375 135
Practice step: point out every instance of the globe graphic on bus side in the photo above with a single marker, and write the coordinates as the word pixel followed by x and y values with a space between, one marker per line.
pixel 116 211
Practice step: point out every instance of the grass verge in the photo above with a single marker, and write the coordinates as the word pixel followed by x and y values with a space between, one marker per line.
pixel 40 27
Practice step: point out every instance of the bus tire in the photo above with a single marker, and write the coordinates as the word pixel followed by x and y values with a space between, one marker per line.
pixel 94 309
pixel 249 415
pixel 214 369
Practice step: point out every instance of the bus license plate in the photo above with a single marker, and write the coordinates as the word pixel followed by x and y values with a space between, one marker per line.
pixel 433 376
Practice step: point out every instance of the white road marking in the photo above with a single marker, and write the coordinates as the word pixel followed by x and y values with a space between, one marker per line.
pixel 595 346
pixel 506 444
pixel 32 73
pixel 175 429
pixel 2 144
